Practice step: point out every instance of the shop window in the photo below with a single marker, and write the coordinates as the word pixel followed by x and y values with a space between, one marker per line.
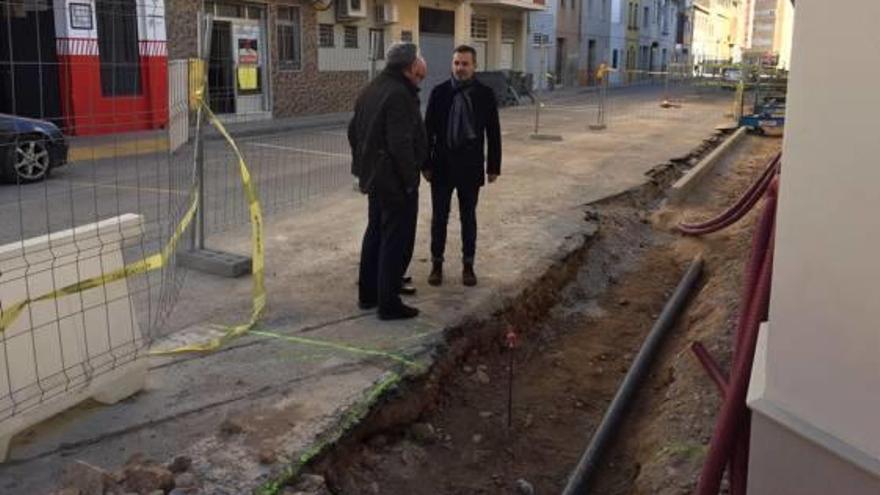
pixel 479 28
pixel 351 36
pixel 509 29
pixel 377 43
pixel 326 38
pixel 289 38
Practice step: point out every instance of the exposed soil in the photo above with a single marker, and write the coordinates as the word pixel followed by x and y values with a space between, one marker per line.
pixel 569 363
pixel 662 447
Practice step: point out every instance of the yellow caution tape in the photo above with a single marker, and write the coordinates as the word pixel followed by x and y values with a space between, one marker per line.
pixel 196 83
pixel 258 260
pixel 158 260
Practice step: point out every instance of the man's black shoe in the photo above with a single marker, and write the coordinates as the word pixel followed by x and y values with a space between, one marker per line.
pixel 436 276
pixel 468 277
pixel 402 312
pixel 367 305
pixel 407 289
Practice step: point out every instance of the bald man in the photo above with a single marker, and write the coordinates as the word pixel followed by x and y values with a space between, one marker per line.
pixel 388 147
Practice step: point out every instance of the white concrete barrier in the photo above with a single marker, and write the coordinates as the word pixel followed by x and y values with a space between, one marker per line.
pixel 62 351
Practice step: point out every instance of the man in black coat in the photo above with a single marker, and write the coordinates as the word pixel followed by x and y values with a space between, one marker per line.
pixel 388 147
pixel 462 118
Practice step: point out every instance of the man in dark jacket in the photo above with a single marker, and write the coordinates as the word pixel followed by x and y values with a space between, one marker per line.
pixel 462 117
pixel 388 147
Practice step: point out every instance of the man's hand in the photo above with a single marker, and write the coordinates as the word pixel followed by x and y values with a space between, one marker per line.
pixel 493 178
pixel 427 174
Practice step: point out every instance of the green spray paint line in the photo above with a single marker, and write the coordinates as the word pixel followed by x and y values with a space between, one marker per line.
pixel 342 347
pixel 351 418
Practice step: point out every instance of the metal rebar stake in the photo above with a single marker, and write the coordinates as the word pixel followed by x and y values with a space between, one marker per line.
pixel 538 103
pixel 600 110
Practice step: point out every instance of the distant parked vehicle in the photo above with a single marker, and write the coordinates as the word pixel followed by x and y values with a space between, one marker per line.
pixel 29 149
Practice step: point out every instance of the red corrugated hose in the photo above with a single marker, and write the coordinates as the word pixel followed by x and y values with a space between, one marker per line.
pixel 730 439
pixel 742 206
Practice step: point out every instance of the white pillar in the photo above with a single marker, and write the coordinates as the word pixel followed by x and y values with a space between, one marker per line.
pixel 463 13
pixel 523 44
pixel 816 385
pixel 493 58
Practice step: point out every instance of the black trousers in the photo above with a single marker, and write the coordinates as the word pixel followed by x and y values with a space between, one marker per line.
pixel 387 250
pixel 441 199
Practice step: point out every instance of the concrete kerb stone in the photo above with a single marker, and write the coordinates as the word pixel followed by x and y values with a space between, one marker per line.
pixel 694 176
pixel 280 126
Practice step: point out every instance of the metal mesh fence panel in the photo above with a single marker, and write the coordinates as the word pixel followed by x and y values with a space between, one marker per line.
pixel 89 187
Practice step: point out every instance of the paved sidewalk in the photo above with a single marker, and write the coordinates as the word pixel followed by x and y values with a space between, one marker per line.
pixel 287 393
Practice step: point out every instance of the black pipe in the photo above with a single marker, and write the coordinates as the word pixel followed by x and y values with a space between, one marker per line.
pixel 580 478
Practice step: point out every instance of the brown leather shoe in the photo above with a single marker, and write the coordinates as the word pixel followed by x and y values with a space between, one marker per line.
pixel 468 277
pixel 436 276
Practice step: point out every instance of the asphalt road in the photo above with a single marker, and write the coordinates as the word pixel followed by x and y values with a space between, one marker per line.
pixel 289 168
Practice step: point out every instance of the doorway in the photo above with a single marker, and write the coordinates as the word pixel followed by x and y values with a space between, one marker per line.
pixel 221 76
pixel 237 68
pixel 560 59
pixel 29 79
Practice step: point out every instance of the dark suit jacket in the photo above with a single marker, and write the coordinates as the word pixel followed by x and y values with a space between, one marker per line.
pixel 387 138
pixel 470 165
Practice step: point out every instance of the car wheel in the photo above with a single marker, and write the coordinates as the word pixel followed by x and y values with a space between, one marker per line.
pixel 28 160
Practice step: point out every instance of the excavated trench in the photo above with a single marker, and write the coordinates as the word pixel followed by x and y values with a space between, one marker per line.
pixel 578 328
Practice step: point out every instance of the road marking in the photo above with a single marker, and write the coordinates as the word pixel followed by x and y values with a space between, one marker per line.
pixel 129 188
pixel 301 150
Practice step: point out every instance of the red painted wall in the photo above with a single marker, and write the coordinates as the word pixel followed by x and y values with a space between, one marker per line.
pixel 87 112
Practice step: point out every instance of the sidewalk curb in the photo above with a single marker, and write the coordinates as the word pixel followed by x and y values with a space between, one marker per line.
pixel 279 126
pixel 119 148
pixel 684 186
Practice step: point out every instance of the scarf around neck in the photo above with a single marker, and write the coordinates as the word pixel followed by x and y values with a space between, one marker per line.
pixel 460 127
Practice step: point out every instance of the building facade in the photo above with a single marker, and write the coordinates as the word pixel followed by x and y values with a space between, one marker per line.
pixel 718 33
pixel 596 40
pixel 274 58
pixel 768 30
pixel 90 66
pixel 813 388
pixel 282 58
pixel 568 56
pixel 657 34
pixel 540 57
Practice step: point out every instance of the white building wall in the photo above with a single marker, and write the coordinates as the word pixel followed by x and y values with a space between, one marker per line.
pixel 340 58
pixel 617 39
pixel 822 372
pixel 542 23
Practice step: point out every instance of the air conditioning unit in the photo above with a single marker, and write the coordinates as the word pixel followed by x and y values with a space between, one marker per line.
pixel 351 10
pixel 386 13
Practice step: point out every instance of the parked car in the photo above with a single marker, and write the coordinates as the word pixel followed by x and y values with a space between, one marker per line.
pixel 29 149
